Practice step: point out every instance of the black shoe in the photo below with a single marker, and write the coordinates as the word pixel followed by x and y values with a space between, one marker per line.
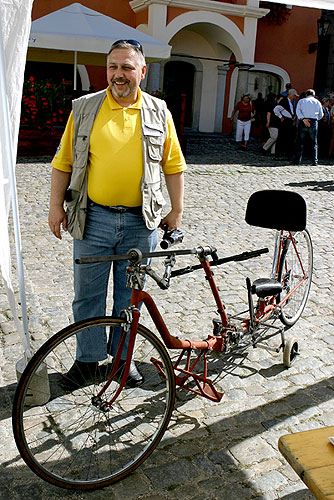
pixel 315 163
pixel 82 374
pixel 135 378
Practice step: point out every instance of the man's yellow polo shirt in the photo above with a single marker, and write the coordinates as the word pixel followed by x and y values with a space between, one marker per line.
pixel 115 160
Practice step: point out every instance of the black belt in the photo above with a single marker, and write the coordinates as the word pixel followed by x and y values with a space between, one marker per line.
pixel 119 209
pixel 312 119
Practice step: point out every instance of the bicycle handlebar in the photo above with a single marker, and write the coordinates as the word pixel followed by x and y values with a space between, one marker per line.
pixel 141 255
pixel 135 256
pixel 217 262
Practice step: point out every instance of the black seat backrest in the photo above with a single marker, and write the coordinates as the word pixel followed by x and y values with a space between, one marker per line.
pixel 276 209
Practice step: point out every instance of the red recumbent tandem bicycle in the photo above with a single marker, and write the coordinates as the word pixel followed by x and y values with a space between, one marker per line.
pixel 98 433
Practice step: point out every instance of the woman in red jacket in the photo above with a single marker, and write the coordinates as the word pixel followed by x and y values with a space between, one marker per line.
pixel 245 111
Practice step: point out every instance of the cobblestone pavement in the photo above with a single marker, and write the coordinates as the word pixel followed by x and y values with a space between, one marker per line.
pixel 225 451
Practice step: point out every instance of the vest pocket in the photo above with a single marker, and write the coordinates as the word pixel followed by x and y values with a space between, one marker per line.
pixel 155 147
pixel 82 142
pixel 153 202
pixel 75 215
pixel 81 152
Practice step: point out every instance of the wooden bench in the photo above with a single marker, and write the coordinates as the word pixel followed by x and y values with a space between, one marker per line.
pixel 311 455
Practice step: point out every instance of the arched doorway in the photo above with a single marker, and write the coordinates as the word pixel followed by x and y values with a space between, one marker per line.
pixel 264 83
pixel 178 80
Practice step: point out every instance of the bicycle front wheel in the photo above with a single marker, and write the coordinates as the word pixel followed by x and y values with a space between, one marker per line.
pixel 295 265
pixel 71 442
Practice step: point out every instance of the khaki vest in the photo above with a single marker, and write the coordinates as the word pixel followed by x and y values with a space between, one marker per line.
pixel 153 115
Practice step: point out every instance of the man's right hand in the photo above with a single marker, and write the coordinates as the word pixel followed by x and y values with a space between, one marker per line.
pixel 57 216
pixel 57 220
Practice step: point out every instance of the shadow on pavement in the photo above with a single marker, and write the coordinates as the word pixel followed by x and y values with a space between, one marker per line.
pixel 314 185
pixel 299 495
pixel 217 149
pixel 207 453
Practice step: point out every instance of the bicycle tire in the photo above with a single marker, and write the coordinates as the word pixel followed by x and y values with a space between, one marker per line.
pixel 290 272
pixel 69 442
pixel 290 352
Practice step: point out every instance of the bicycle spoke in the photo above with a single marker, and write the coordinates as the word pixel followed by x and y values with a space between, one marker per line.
pixel 295 274
pixel 72 443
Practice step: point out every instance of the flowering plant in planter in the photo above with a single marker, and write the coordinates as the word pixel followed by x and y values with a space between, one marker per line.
pixel 160 94
pixel 45 104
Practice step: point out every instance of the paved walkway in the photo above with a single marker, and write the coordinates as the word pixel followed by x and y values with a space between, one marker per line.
pixel 225 451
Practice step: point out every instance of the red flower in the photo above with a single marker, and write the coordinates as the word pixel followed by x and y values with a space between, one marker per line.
pixel 45 104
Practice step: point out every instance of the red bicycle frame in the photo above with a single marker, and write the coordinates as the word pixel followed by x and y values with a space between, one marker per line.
pixel 185 376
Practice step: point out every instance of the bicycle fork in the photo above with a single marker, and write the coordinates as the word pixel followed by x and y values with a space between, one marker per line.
pixel 129 328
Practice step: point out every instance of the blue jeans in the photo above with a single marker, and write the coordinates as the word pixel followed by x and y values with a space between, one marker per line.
pixel 312 134
pixel 106 233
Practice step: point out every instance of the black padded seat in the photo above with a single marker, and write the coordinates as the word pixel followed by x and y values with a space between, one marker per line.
pixel 265 287
pixel 276 209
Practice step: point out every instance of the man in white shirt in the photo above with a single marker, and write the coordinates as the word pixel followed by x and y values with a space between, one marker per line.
pixel 309 111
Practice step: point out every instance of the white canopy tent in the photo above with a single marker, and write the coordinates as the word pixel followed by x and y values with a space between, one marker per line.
pixel 15 18
pixel 84 31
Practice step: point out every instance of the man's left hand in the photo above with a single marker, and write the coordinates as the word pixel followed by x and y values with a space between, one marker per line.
pixel 172 220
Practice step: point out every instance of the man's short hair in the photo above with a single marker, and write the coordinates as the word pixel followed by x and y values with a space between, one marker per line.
pixel 310 92
pixel 133 45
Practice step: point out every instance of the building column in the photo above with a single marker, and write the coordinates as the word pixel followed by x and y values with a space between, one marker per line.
pixel 242 84
pixel 153 77
pixel 220 99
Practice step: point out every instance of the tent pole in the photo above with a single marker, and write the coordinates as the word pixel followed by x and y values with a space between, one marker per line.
pixel 9 159
pixel 75 70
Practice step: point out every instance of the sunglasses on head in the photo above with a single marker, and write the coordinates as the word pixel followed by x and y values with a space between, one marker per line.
pixel 134 43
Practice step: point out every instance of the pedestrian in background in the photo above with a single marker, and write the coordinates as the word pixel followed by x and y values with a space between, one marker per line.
pixel 287 130
pixel 309 111
pixel 246 112
pixel 325 129
pixel 272 125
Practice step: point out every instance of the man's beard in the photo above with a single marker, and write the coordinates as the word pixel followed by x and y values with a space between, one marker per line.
pixel 120 93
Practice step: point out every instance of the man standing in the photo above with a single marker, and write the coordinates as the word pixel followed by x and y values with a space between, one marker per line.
pixel 287 130
pixel 108 171
pixel 309 112
pixel 288 86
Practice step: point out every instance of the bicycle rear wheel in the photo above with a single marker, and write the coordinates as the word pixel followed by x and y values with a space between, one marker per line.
pixel 292 267
pixel 72 443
